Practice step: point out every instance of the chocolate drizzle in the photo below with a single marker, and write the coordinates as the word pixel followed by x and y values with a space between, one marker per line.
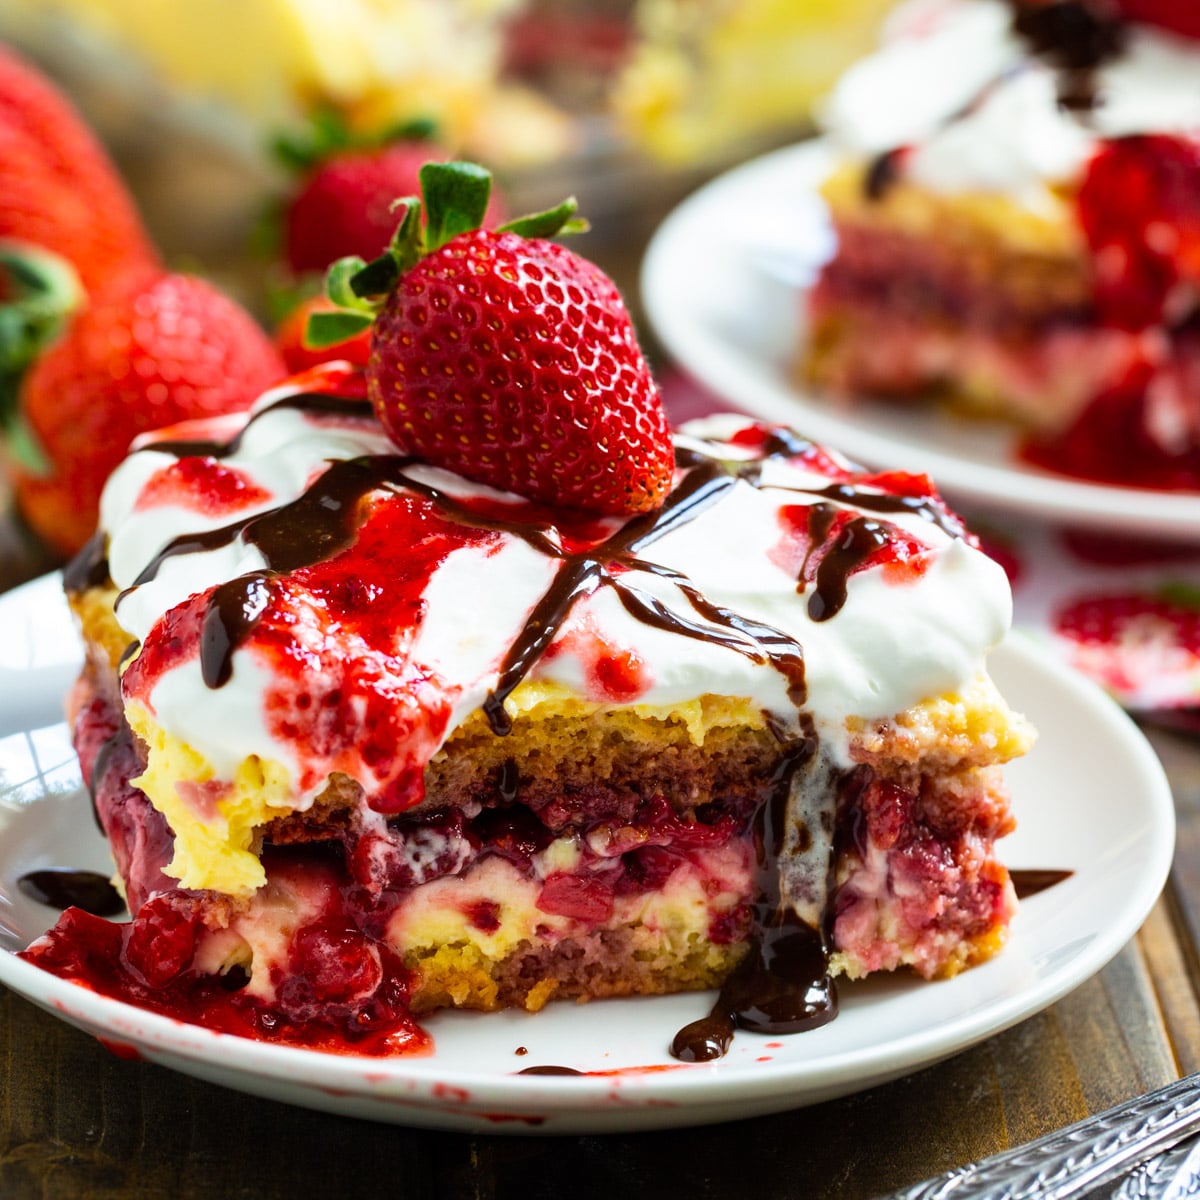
pixel 232 612
pixel 1070 34
pixel 322 522
pixel 1029 881
pixel 100 765
pixel 316 526
pixel 881 175
pixel 89 568
pixel 924 507
pixel 509 783
pixel 1074 37
pixel 310 402
pixel 782 985
pixel 861 538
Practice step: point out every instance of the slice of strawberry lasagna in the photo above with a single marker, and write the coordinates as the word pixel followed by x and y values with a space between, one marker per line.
pixel 370 740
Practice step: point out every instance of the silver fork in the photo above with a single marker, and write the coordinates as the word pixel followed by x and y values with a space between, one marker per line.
pixel 1145 1144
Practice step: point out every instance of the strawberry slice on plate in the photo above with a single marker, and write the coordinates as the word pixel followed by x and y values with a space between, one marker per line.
pixel 1144 647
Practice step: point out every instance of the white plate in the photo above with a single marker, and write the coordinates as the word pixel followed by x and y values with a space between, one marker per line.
pixel 1091 798
pixel 723 284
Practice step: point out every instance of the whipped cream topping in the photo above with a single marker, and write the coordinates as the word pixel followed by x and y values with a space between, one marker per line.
pixel 909 627
pixel 955 82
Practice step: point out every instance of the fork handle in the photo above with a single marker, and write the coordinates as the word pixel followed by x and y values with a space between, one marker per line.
pixel 1071 1162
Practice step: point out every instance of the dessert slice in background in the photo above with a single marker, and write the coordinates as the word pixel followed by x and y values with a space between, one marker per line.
pixel 1017 218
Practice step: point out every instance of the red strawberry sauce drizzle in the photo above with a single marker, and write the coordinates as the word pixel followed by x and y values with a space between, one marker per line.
pixel 1139 207
pixel 1112 440
pixel 203 485
pixel 322 546
pixel 343 992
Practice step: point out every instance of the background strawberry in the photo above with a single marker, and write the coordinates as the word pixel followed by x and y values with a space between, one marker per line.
pixel 290 334
pixel 38 292
pixel 161 349
pixel 342 204
pixel 1143 647
pixel 58 188
pixel 505 357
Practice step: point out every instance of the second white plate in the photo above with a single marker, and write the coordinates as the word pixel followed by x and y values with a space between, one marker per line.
pixel 723 284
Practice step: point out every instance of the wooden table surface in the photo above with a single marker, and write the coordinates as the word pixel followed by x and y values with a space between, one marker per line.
pixel 77 1122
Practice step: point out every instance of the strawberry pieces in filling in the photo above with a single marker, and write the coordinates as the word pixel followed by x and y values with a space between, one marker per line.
pixel 917 874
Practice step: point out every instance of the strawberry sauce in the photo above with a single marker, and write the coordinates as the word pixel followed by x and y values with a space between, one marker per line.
pixel 343 995
pixel 203 485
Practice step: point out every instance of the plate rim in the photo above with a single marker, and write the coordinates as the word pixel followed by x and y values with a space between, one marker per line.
pixel 700 353
pixel 770 1085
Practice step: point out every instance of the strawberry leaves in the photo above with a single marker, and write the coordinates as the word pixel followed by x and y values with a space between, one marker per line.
pixel 327 133
pixel 454 199
pixel 39 292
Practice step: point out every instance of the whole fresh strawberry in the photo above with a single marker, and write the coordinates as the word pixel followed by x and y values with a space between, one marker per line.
pixel 1144 647
pixel 343 203
pixel 58 188
pixel 1177 16
pixel 503 356
pixel 162 349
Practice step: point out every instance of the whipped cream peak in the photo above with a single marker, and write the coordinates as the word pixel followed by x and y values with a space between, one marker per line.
pixel 359 605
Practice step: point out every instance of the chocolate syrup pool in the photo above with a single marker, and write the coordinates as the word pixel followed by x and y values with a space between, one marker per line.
pixel 67 887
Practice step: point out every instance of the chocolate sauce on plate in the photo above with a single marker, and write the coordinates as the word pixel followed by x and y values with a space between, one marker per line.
pixel 1028 882
pixel 66 887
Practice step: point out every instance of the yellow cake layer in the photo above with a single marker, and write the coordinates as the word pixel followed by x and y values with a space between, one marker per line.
pixel 1047 229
